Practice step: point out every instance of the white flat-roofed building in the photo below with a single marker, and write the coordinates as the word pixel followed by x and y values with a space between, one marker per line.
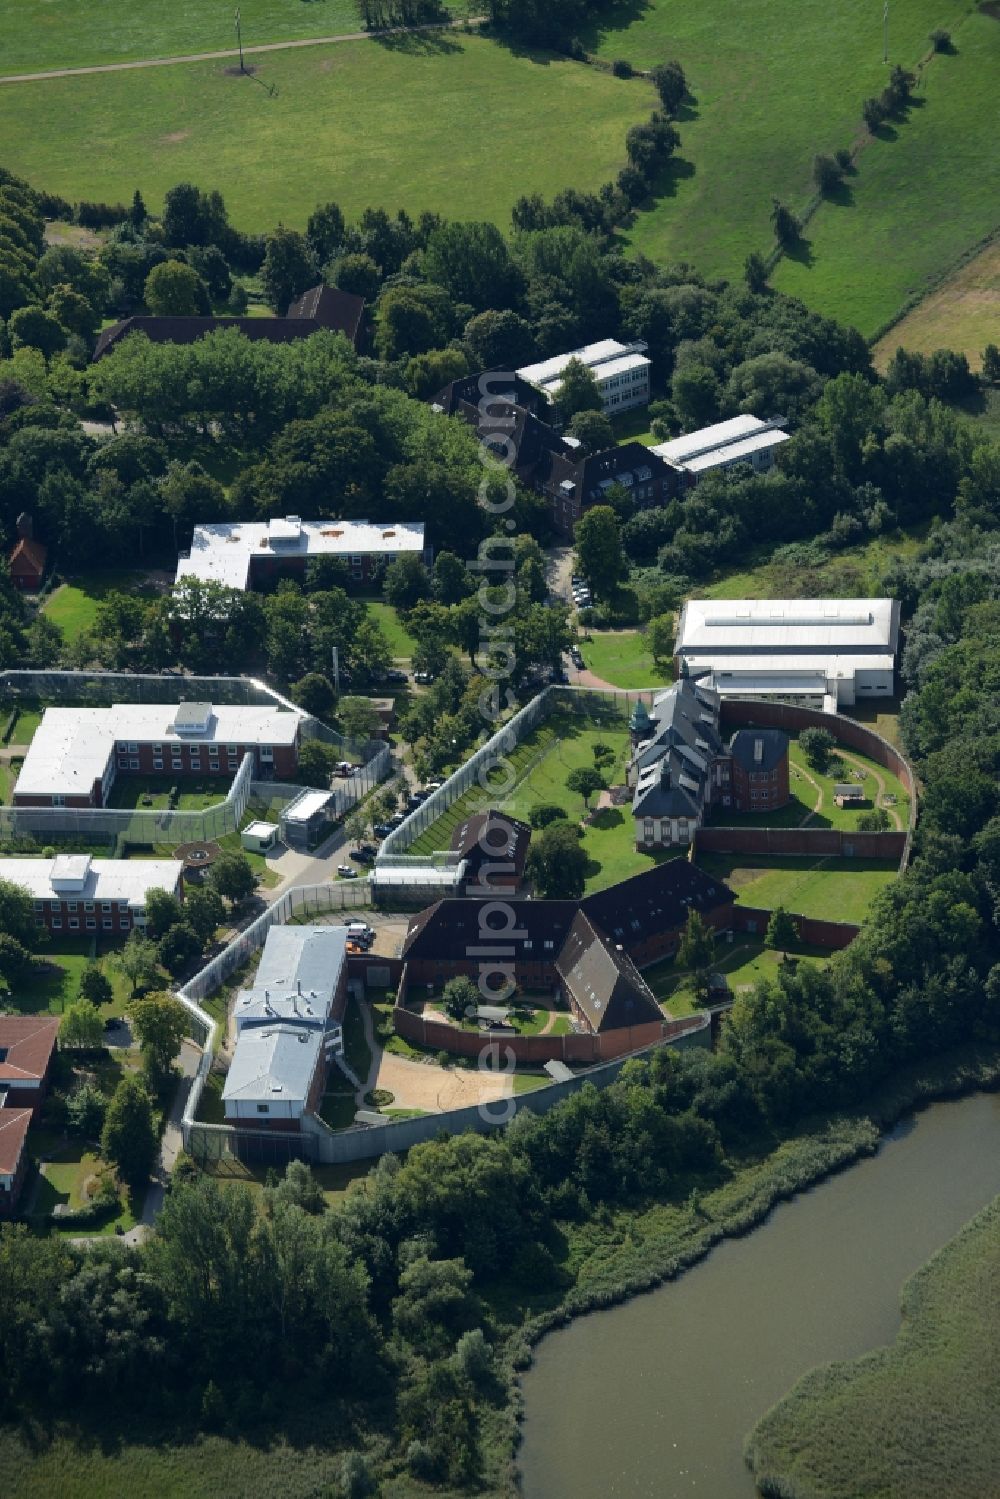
pixel 821 652
pixel 742 439
pixel 286 1025
pixel 76 893
pixel 76 753
pixel 621 371
pixel 241 553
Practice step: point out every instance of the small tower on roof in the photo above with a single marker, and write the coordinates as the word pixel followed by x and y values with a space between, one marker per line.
pixel 640 724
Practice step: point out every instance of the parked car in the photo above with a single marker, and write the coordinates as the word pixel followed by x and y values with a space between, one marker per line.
pixel 432 786
pixel 382 830
pixel 423 677
pixel 396 674
pixel 360 931
pixel 576 656
pixel 343 768
pixel 347 872
pixel 415 798
pixel 364 854
pixel 395 821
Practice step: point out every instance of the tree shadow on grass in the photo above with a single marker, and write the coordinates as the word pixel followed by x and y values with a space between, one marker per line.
pixel 801 251
pixel 840 196
pixel 418 43
pixel 605 818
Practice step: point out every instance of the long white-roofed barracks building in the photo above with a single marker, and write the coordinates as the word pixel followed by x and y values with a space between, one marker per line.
pixel 76 753
pixel 823 653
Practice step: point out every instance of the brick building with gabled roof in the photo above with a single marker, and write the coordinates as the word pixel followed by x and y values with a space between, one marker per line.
pixel 27 564
pixel 591 949
pixel 14 1124
pixel 27 1043
pixel 602 985
pixel 494 847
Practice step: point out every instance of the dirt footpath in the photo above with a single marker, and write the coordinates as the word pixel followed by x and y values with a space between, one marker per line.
pixel 424 1085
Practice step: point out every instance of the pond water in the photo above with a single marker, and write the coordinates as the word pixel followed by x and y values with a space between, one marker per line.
pixel 655 1397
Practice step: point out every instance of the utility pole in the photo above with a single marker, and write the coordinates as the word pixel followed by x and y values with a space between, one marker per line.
pixel 239 37
pixel 885 32
pixel 335 660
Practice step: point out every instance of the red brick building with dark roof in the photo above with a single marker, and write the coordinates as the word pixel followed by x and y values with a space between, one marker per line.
pixel 27 564
pixel 13 1157
pixel 26 1046
pixel 494 847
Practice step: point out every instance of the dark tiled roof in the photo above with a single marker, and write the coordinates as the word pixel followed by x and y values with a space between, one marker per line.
pixel 658 900
pixel 330 308
pixel 683 739
pixel 29 1041
pixel 337 310
pixel 773 748
pixel 603 980
pixel 13 1133
pixel 492 838
pixel 28 558
pixel 451 929
pixel 497 384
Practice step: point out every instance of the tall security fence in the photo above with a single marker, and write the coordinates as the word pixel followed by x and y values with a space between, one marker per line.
pixel 148 826
pixel 485 768
pixel 138 825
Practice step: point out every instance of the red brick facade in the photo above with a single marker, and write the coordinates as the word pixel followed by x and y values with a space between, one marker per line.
pixel 759 790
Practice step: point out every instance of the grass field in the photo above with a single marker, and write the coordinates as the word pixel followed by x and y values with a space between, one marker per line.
pixel 130 791
pixel 916 1420
pixel 622 658
pixel 50 988
pixel 73 607
pixel 542 763
pixel 340 125
pixel 744 963
pixel 771 85
pixel 923 193
pixel 44 34
pixel 831 889
pixel 402 642
pixel 963 314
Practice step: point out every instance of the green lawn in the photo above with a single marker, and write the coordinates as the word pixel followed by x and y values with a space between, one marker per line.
pixel 130 791
pixel 925 192
pixel 809 786
pixel 40 34
pixel 963 314
pixel 831 889
pixel 916 1420
pixel 55 979
pixel 27 721
pixel 73 606
pixel 771 85
pixel 744 962
pixel 402 642
pixel 563 742
pixel 805 778
pixel 7 779
pixel 622 658
pixel 482 111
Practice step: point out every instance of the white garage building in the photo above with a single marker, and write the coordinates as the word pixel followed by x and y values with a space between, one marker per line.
pixel 824 653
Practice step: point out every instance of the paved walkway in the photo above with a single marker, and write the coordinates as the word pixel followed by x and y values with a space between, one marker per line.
pixel 227 52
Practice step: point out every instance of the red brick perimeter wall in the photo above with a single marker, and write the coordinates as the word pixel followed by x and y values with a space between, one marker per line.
pixel 832 934
pixel 739 713
pixel 581 1050
pixel 823 842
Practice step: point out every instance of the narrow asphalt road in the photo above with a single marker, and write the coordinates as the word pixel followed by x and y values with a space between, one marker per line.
pixel 226 52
